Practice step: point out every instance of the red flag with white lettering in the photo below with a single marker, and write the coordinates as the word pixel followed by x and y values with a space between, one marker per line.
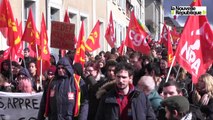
pixel 195 40
pixel 109 35
pixel 136 36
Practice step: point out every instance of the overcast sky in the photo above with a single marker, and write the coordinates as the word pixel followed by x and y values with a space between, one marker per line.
pixel 181 19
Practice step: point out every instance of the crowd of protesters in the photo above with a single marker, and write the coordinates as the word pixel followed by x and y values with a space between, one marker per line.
pixel 113 87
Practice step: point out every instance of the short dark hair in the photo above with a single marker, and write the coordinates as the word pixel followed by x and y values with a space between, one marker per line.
pixel 124 66
pixel 110 63
pixel 173 83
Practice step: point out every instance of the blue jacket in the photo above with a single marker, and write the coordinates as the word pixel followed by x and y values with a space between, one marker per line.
pixel 140 107
pixel 62 96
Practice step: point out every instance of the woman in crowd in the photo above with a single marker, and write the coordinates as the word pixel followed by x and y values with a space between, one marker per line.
pixel 203 95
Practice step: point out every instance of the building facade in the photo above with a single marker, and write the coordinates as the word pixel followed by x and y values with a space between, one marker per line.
pixel 89 11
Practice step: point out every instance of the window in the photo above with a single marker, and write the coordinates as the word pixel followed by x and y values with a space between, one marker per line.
pixel 55 14
pixel 85 25
pixel 27 5
pixel 73 19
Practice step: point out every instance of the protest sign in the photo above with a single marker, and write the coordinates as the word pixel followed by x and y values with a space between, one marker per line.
pixel 62 35
pixel 19 106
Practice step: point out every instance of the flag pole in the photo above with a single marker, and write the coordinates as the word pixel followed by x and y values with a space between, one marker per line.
pixel 177 73
pixel 40 77
pixel 11 80
pixel 167 77
pixel 40 68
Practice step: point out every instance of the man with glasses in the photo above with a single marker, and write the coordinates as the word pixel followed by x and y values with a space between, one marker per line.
pixel 58 102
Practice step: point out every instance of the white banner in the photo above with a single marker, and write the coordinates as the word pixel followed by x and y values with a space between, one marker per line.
pixel 19 106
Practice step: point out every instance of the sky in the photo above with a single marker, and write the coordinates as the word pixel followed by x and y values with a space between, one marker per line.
pixel 181 19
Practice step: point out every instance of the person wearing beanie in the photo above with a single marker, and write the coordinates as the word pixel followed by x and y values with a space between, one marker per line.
pixel 177 108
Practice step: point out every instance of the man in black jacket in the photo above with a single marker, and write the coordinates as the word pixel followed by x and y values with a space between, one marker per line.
pixel 59 100
pixel 124 102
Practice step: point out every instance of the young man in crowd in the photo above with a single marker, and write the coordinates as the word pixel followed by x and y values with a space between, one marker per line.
pixel 177 108
pixel 124 102
pixel 172 88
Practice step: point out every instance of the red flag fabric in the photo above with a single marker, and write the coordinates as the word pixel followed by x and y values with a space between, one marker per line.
pixel 79 58
pixel 136 36
pixel 7 20
pixel 77 79
pixel 175 35
pixel 80 50
pixel 195 40
pixel 31 34
pixel 15 52
pixel 166 40
pixel 121 48
pixel 44 54
pixel 164 36
pixel 109 35
pixel 92 42
pixel 66 17
pixel 4 12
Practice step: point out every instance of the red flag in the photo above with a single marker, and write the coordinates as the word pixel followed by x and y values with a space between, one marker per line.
pixel 77 79
pixel 7 20
pixel 79 58
pixel 4 11
pixel 66 17
pixel 136 36
pixel 175 35
pixel 44 54
pixel 166 40
pixel 109 35
pixel 15 52
pixel 121 48
pixel 92 42
pixel 31 34
pixel 80 49
pixel 191 51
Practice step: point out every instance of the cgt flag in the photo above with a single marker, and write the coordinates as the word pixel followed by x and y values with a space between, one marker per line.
pixel 136 36
pixel 195 40
pixel 109 35
pixel 92 42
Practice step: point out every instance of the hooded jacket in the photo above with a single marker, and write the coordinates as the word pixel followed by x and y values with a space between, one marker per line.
pixel 60 101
